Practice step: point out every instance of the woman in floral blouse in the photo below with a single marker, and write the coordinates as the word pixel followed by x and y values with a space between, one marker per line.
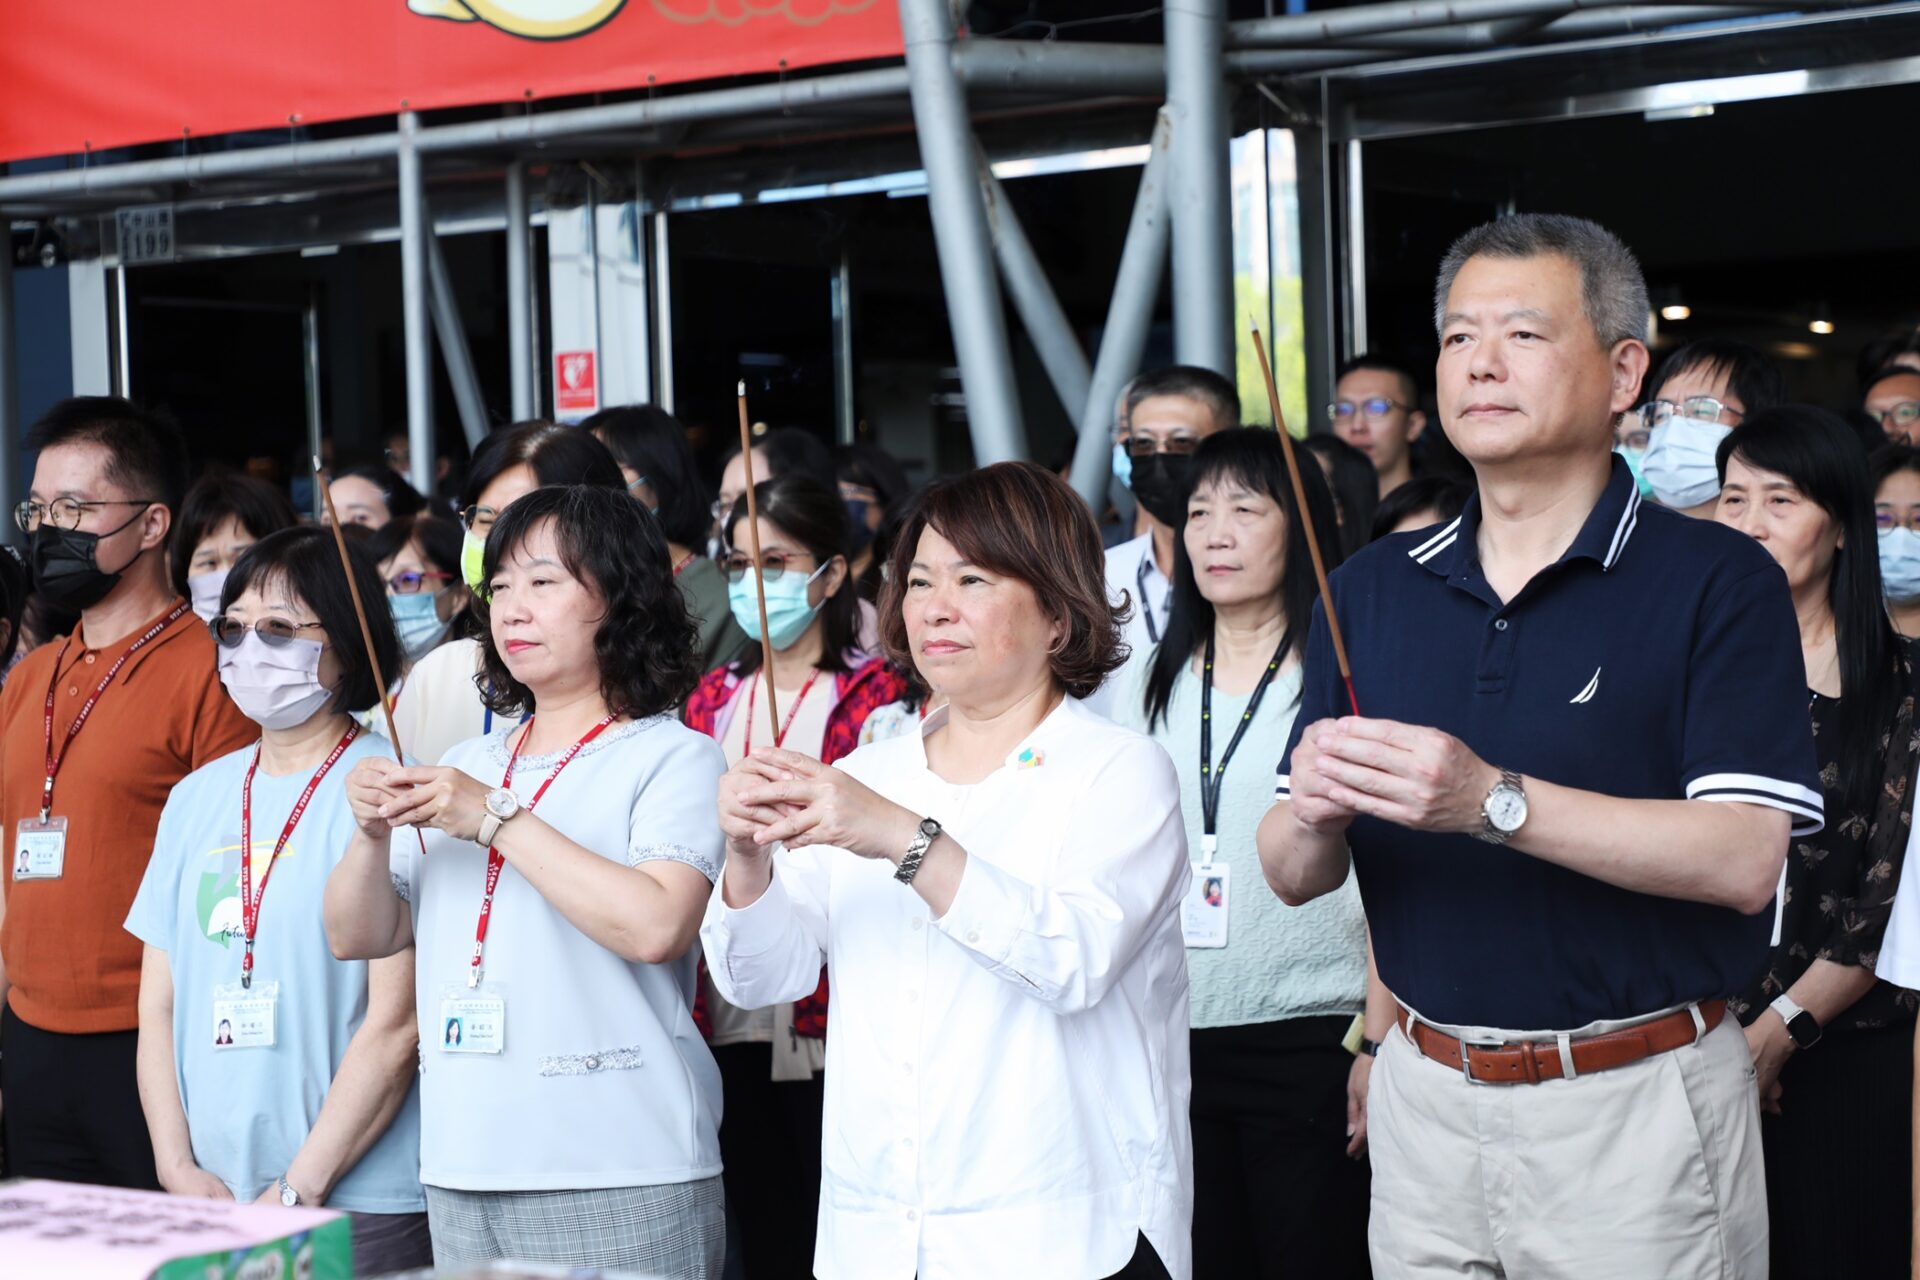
pixel 1832 1043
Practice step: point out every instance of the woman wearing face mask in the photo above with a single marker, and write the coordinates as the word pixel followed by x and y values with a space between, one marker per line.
pixel 269 1070
pixel 1831 1040
pixel 1896 513
pixel 1703 391
pixel 571 1118
pixel 872 485
pixel 419 559
pixel 442 704
pixel 1630 436
pixel 771 1058
pixel 221 516
pixel 650 445
pixel 1273 990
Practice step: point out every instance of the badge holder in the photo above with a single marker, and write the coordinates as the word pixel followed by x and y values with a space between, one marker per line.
pixel 40 849
pixel 472 1019
pixel 243 1016
pixel 1203 912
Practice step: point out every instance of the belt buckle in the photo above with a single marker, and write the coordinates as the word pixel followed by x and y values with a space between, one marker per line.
pixel 1466 1062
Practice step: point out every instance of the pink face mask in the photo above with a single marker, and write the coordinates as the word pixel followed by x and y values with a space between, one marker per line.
pixel 276 686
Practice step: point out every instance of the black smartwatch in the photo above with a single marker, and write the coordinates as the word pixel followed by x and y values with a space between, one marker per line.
pixel 1800 1024
pixel 1370 1047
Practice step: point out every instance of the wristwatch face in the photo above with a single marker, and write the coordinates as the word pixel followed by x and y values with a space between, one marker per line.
pixel 930 829
pixel 1804 1029
pixel 1506 808
pixel 502 803
pixel 288 1196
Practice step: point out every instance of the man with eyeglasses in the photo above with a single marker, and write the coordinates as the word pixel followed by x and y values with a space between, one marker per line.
pixel 94 732
pixel 1376 410
pixel 1893 401
pixel 1704 390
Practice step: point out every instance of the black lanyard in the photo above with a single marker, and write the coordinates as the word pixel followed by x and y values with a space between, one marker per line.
pixel 1146 609
pixel 1210 777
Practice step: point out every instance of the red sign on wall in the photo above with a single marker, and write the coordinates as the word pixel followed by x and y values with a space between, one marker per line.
pixel 574 386
pixel 85 75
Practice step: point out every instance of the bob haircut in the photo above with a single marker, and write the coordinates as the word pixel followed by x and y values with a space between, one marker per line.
pixel 558 455
pixel 653 442
pixel 816 519
pixel 305 562
pixel 1249 458
pixel 402 499
pixel 646 641
pixel 260 508
pixel 1021 520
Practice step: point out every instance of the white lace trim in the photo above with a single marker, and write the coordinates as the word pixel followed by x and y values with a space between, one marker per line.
pixel 663 851
pixel 499 744
pixel 585 1064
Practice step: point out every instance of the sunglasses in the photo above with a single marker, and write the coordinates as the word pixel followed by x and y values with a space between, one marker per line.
pixel 276 632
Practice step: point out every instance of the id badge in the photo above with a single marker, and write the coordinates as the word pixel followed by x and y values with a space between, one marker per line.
pixel 40 849
pixel 1203 912
pixel 243 1016
pixel 472 1021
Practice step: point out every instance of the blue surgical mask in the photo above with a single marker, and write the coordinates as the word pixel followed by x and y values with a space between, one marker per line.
pixel 1900 564
pixel 1636 462
pixel 1122 465
pixel 416 619
pixel 1680 462
pixel 788 612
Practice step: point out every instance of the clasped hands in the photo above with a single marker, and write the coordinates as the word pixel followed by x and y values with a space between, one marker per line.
pixel 1409 775
pixel 385 794
pixel 775 796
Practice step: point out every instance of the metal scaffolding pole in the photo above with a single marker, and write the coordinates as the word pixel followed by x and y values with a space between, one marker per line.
pixel 1129 315
pixel 1034 298
pixel 662 313
pixel 9 370
pixel 413 306
pixel 960 232
pixel 840 296
pixel 1333 26
pixel 519 294
pixel 1202 209
pixel 445 308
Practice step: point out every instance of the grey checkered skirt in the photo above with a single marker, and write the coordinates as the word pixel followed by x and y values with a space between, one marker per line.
pixel 675 1232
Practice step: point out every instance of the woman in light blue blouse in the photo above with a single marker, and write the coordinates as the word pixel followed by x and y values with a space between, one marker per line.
pixel 269 1070
pixel 1279 1183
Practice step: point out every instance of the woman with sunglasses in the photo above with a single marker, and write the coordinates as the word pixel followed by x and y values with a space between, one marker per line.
pixel 573 1118
pixel 770 1059
pixel 269 1070
pixel 441 704
pixel 419 558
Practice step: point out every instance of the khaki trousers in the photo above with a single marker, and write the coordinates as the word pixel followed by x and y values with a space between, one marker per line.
pixel 1648 1170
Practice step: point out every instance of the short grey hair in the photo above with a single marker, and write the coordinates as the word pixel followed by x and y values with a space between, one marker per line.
pixel 1612 287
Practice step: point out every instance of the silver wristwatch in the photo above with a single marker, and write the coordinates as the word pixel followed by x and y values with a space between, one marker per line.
pixel 502 804
pixel 1504 810
pixel 288 1196
pixel 923 837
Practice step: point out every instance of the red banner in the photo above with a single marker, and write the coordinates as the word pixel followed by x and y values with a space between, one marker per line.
pixel 79 75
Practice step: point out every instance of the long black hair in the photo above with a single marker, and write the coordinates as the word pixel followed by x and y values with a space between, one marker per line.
pixel 1250 457
pixel 1355 487
pixel 1820 455
pixel 654 443
pixel 813 516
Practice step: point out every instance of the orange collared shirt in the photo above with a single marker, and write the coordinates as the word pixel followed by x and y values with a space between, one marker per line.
pixel 71 965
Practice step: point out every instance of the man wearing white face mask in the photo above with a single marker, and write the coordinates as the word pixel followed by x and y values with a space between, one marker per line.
pixel 1703 391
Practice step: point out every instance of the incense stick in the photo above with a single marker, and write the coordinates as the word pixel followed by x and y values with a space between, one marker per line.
pixel 753 542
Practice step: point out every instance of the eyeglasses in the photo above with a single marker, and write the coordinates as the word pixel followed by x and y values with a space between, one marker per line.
pixel 1903 414
pixel 478 520
pixel 66 513
pixel 1884 520
pixel 1704 408
pixel 772 565
pixel 411 582
pixel 633 486
pixel 277 632
pixel 722 508
pixel 1635 437
pixel 1147 446
pixel 1371 407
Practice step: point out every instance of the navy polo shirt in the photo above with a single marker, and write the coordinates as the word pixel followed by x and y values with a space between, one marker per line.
pixel 1658 659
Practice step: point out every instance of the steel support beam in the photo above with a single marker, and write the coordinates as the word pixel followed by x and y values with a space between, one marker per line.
pixel 9 371
pixel 445 309
pixel 1043 66
pixel 662 313
pixel 310 359
pixel 1202 208
pixel 1034 299
pixel 960 232
pixel 840 291
pixel 1136 286
pixel 1353 190
pixel 413 306
pixel 1334 26
pixel 522 374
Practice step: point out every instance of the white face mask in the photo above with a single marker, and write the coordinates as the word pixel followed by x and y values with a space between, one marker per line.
pixel 1680 465
pixel 1900 564
pixel 275 686
pixel 204 590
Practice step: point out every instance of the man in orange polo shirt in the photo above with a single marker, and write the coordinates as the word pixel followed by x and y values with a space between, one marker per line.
pixel 94 732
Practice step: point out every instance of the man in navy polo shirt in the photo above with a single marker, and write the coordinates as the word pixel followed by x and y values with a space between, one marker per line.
pixel 1582 742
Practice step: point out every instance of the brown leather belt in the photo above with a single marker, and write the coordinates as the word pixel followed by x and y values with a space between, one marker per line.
pixel 1531 1061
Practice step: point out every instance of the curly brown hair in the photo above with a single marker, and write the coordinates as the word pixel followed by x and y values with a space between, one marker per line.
pixel 1021 520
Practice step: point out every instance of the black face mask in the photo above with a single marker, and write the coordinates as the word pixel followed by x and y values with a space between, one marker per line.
pixel 1162 482
pixel 65 566
pixel 859 537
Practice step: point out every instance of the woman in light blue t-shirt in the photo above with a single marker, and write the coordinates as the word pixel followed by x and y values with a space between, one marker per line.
pixel 1279 1183
pixel 269 1070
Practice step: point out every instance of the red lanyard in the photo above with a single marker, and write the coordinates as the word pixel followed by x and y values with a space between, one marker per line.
pixel 497 860
pixel 682 566
pixel 73 731
pixel 780 730
pixel 249 902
